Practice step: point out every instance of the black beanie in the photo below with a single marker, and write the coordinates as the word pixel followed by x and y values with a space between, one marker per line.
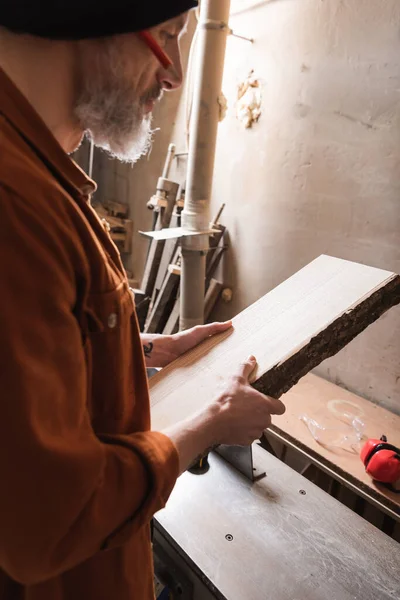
pixel 80 19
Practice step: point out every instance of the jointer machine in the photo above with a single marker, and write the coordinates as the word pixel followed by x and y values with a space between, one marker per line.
pixel 245 525
pixel 250 527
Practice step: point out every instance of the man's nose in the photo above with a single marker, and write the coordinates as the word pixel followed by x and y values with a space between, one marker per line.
pixel 171 77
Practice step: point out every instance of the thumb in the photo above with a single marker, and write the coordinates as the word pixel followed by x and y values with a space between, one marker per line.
pixel 247 367
pixel 217 327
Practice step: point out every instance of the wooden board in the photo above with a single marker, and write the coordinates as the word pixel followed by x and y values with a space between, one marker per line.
pixel 158 316
pixel 212 295
pixel 142 308
pixel 172 325
pixel 214 242
pixel 156 247
pixel 325 403
pixel 306 319
pixel 167 255
pixel 120 229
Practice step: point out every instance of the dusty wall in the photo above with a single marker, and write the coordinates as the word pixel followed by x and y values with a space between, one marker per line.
pixel 319 173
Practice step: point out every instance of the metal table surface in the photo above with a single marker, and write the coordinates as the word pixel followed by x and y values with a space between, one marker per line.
pixel 281 537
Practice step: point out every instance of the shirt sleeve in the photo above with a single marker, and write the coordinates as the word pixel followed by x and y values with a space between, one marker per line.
pixel 65 493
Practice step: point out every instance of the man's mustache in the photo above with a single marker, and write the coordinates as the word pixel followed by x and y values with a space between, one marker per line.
pixel 156 93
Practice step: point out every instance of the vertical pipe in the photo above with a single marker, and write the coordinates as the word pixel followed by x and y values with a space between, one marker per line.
pixel 168 161
pixel 213 30
pixel 91 158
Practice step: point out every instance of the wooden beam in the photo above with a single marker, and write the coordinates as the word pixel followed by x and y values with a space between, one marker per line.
pixel 172 325
pixel 142 308
pixel 117 209
pixel 306 319
pixel 212 295
pixel 156 247
pixel 168 253
pixel 159 313
pixel 162 300
pixel 214 264
pixel 121 229
pixel 214 242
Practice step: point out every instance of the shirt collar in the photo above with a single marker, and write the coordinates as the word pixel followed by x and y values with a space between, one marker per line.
pixel 25 120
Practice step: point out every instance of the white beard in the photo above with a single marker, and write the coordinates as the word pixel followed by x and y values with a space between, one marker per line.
pixel 126 137
pixel 108 110
pixel 126 144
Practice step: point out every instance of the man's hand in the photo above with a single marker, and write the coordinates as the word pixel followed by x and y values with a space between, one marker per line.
pixel 160 350
pixel 242 412
pixel 238 416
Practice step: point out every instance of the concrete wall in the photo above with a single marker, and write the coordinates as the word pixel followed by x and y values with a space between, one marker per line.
pixel 320 172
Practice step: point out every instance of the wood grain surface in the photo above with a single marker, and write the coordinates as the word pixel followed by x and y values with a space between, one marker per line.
pixel 307 318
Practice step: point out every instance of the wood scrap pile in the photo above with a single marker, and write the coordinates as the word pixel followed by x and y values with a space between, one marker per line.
pixel 158 301
pixel 115 217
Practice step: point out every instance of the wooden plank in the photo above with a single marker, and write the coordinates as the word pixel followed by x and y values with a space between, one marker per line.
pixel 151 267
pixel 157 246
pixel 172 325
pixel 325 402
pixel 142 308
pixel 214 255
pixel 158 316
pixel 128 236
pixel 174 259
pixel 306 319
pixel 289 539
pixel 219 252
pixel 169 251
pixel 211 298
pixel 212 295
pixel 214 242
pixel 138 295
pixel 116 209
pixel 121 229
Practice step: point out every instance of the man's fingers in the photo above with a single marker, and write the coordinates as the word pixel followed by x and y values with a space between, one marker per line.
pixel 276 406
pixel 202 332
pixel 247 367
pixel 214 328
pixel 222 325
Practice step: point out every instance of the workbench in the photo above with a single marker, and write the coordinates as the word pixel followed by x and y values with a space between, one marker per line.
pixel 281 538
pixel 324 401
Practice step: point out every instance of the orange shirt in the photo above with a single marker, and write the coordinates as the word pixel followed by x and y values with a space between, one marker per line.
pixel 81 473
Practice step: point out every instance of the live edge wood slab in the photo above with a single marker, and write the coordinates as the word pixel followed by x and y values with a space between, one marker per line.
pixel 292 329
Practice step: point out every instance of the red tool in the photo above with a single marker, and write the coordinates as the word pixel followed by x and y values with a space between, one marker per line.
pixel 156 49
pixel 381 460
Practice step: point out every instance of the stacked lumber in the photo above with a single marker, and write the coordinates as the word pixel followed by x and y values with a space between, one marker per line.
pixel 158 300
pixel 115 217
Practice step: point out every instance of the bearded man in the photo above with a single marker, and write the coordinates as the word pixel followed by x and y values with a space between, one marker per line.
pixel 81 472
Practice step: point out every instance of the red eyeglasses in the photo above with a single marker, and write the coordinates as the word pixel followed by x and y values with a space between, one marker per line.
pixel 156 49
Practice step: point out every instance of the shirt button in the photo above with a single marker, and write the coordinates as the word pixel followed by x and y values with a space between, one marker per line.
pixel 112 320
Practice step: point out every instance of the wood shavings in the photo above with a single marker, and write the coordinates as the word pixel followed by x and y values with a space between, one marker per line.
pixel 248 106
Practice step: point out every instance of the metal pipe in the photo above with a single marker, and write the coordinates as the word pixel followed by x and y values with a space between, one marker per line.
pixel 213 30
pixel 91 158
pixel 168 161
